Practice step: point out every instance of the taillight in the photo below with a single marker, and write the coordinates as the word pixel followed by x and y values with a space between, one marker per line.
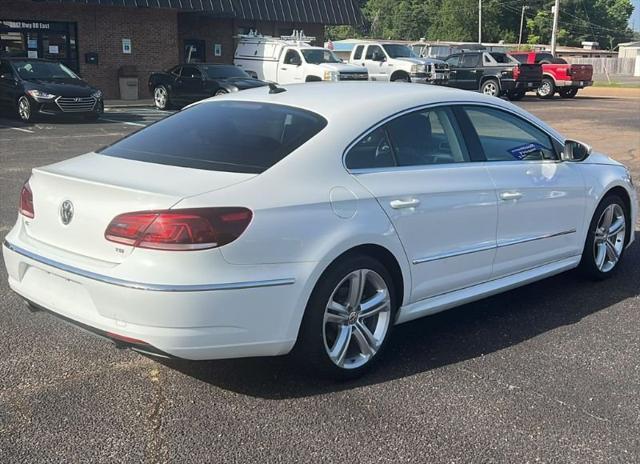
pixel 179 229
pixel 516 72
pixel 569 71
pixel 26 201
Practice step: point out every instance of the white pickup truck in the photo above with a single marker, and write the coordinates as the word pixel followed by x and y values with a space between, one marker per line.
pixel 291 59
pixel 388 61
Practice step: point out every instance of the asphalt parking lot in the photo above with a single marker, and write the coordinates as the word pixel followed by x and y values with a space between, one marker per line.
pixel 549 372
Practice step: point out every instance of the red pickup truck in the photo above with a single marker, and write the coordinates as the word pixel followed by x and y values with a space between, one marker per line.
pixel 557 75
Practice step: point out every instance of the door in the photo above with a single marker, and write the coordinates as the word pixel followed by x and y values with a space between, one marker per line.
pixel 290 69
pixel 192 84
pixel 469 72
pixel 541 200
pixel 194 51
pixel 375 62
pixel 441 202
pixel 358 56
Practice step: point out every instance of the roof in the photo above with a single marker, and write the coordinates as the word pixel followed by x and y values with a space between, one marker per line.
pixel 298 11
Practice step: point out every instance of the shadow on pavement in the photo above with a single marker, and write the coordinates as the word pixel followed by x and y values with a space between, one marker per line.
pixel 450 337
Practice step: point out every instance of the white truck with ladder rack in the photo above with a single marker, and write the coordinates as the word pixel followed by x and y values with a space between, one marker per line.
pixel 292 59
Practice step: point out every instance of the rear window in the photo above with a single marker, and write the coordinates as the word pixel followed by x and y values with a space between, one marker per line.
pixel 228 136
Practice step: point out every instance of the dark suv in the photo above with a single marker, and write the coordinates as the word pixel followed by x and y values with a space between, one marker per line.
pixel 31 87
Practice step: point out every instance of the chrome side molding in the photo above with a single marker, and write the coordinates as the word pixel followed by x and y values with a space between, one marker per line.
pixel 146 286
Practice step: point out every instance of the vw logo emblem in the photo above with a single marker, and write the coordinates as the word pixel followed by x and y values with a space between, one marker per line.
pixel 66 212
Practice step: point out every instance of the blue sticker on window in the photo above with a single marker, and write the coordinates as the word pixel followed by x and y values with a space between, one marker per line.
pixel 522 151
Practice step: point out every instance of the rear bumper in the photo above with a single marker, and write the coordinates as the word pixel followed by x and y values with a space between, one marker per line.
pixel 574 84
pixel 509 85
pixel 250 317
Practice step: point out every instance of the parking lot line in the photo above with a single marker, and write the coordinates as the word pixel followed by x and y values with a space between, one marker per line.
pixel 125 122
pixel 18 129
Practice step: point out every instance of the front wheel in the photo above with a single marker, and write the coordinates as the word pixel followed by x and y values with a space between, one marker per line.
pixel 491 88
pixel 606 239
pixel 401 78
pixel 568 93
pixel 547 88
pixel 348 318
pixel 161 97
pixel 25 109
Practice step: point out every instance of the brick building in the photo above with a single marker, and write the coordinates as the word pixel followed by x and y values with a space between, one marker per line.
pixel 97 37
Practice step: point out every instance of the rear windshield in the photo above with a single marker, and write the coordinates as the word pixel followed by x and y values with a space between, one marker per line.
pixel 228 136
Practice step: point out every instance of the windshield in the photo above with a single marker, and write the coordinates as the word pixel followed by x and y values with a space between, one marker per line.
pixel 43 70
pixel 320 56
pixel 398 51
pixel 224 72
pixel 230 136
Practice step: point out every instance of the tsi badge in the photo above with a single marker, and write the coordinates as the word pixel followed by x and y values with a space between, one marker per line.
pixel 66 212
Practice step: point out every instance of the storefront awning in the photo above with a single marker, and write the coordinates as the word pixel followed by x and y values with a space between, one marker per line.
pixel 297 11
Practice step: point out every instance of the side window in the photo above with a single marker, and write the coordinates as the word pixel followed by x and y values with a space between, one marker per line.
pixel 191 72
pixel 427 137
pixel 358 53
pixel 373 151
pixel 292 57
pixel 469 61
pixel 521 58
pixel 505 137
pixel 373 50
pixel 453 60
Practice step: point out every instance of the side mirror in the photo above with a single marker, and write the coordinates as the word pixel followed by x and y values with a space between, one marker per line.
pixel 575 151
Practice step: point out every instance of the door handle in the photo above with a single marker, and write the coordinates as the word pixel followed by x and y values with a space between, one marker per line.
pixel 506 196
pixel 399 204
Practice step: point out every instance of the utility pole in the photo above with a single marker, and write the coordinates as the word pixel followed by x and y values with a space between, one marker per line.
pixel 554 32
pixel 524 7
pixel 480 21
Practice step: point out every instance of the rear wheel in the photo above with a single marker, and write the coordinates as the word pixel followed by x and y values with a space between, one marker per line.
pixel 25 109
pixel 547 88
pixel 161 97
pixel 490 87
pixel 516 95
pixel 606 239
pixel 568 93
pixel 348 318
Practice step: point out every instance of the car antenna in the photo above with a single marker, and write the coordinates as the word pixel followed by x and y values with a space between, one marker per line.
pixel 273 88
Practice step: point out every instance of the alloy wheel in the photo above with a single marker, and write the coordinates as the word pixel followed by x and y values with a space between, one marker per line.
pixel 490 88
pixel 609 238
pixel 160 97
pixel 545 88
pixel 24 109
pixel 357 319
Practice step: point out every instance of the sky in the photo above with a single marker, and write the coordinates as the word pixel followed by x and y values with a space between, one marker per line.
pixel 635 17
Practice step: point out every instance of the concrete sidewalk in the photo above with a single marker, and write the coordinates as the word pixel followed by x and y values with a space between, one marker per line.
pixel 144 103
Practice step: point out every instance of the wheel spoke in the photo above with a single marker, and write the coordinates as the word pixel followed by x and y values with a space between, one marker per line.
pixel 336 313
pixel 601 255
pixel 357 280
pixel 339 350
pixel 617 226
pixel 607 218
pixel 612 253
pixel 365 339
pixel 374 305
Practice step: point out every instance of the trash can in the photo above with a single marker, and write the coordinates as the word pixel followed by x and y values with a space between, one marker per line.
pixel 128 77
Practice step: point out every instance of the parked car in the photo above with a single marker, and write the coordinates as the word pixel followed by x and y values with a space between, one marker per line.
pixel 34 87
pixel 273 220
pixel 291 60
pixel 493 73
pixel 396 62
pixel 188 83
pixel 558 75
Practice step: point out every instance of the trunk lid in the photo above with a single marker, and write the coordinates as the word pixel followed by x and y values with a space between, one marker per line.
pixel 530 72
pixel 101 187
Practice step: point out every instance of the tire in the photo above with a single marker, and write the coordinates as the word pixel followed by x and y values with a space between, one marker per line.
pixel 324 331
pixel 568 93
pixel 490 87
pixel 220 92
pixel 547 88
pixel 24 109
pixel 400 77
pixel 603 251
pixel 161 98
pixel 516 95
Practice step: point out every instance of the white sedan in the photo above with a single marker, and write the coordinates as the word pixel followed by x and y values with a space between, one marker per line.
pixel 312 218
